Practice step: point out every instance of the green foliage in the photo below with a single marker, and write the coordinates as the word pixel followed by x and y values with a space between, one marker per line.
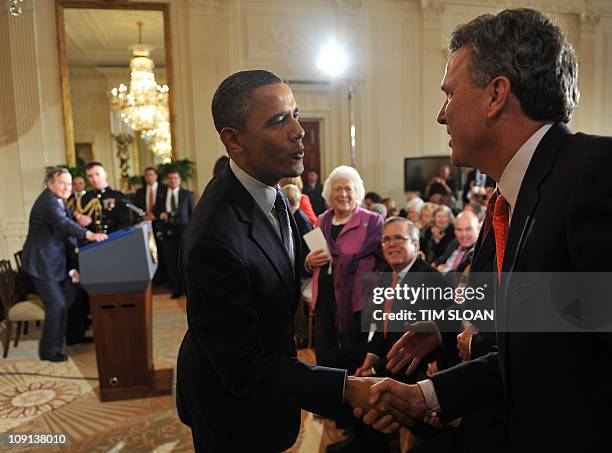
pixel 184 166
pixel 77 170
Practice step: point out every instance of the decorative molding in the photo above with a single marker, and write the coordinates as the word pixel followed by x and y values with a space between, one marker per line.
pixel 432 12
pixel 349 6
pixel 280 38
pixel 589 23
pixel 207 7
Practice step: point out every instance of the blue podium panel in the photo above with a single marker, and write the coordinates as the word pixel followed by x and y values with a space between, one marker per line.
pixel 126 262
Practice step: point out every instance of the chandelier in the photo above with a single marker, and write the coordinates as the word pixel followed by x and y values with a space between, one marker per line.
pixel 144 104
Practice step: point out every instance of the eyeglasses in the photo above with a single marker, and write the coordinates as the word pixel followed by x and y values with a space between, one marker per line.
pixel 397 239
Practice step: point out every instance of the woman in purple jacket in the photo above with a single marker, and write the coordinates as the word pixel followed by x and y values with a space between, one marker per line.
pixel 353 237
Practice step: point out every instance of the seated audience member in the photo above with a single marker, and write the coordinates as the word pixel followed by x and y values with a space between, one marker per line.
pixel 400 249
pixel 467 228
pixel 44 259
pixel 440 233
pixel 353 239
pixel 173 209
pixel 371 198
pixel 476 178
pixel 392 212
pixel 441 184
pixel 389 203
pixel 305 205
pixel 379 208
pixel 477 209
pixel 413 212
pixel 314 190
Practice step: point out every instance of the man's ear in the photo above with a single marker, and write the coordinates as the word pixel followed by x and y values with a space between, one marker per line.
pixel 499 91
pixel 231 138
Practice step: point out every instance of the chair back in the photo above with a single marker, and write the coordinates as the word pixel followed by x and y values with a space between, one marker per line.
pixel 7 286
pixel 17 257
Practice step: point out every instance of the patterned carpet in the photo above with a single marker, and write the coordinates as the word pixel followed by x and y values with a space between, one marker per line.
pixel 52 403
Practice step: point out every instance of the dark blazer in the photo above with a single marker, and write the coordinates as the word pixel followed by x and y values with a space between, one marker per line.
pixel 140 198
pixel 44 251
pixel 316 197
pixel 186 206
pixel 554 398
pixel 239 385
pixel 381 344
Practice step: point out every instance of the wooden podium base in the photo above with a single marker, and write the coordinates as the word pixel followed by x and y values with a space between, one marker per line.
pixel 124 347
pixel 161 385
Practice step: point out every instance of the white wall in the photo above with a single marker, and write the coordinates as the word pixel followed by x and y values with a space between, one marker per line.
pixel 397 53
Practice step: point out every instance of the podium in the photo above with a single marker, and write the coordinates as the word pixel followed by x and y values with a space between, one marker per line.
pixel 117 275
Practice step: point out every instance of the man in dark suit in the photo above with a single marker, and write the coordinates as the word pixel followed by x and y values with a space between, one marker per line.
pixel 146 199
pixel 509 93
pixel 173 209
pixel 239 385
pixel 314 190
pixel 44 258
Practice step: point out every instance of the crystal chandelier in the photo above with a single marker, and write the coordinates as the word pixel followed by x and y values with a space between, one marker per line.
pixel 144 104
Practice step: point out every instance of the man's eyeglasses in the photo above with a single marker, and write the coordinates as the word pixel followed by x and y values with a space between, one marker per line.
pixel 397 239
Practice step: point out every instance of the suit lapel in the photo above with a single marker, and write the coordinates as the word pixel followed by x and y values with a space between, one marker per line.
pixel 529 194
pixel 261 231
pixel 522 220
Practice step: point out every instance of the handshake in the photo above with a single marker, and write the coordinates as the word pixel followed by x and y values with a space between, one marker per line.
pixel 384 403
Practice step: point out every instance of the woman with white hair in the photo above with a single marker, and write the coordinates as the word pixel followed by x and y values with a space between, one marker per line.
pixel 353 238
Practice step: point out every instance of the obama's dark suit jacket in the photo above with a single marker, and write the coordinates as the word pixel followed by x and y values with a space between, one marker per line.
pixel 240 386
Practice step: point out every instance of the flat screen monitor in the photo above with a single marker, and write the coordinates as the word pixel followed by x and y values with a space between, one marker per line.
pixel 419 170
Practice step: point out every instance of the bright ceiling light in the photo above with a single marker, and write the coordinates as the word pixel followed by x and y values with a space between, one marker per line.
pixel 332 59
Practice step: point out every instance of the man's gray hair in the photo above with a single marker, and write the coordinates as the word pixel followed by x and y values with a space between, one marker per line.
pixel 526 47
pixel 54 172
pixel 344 171
pixel 413 230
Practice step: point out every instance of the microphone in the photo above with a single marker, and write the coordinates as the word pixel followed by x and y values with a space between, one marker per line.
pixel 133 208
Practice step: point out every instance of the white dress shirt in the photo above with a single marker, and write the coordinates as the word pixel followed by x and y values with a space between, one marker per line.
pixel 172 193
pixel 151 188
pixel 509 186
pixel 265 196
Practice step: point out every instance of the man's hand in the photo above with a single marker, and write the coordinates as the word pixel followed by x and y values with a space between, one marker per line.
pixel 82 219
pixel 464 340
pixel 149 216
pixel 420 340
pixel 394 405
pixel 95 237
pixel 366 367
pixel 164 216
pixel 357 391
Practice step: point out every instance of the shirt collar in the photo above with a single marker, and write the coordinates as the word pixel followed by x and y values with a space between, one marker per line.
pixel 405 270
pixel 263 194
pixel 512 177
pixel 153 186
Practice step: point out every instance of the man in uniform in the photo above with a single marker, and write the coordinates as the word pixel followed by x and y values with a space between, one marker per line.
pixel 103 204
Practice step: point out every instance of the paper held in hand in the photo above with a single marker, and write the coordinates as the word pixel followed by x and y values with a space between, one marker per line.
pixel 315 240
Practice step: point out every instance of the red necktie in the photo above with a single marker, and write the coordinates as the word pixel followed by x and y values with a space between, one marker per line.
pixel 501 217
pixel 150 204
pixel 389 302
